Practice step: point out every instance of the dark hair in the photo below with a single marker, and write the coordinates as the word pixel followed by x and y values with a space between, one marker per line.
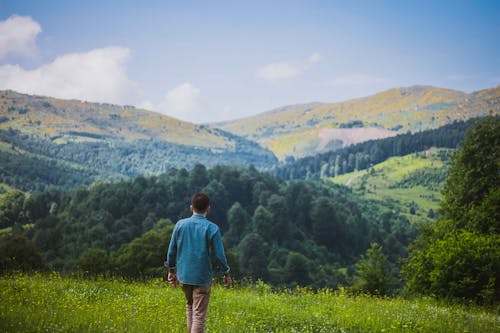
pixel 200 202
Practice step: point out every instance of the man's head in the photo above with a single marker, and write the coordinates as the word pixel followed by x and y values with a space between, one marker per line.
pixel 200 203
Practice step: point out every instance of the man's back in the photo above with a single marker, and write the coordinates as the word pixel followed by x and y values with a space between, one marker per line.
pixel 193 241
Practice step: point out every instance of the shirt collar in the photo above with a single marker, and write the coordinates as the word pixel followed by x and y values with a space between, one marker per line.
pixel 197 214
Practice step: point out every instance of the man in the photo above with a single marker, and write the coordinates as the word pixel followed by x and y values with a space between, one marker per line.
pixel 194 241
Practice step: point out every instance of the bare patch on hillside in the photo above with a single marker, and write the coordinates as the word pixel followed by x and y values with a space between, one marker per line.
pixel 350 136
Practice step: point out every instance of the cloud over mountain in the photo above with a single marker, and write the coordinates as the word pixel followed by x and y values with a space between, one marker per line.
pixel 17 36
pixel 97 75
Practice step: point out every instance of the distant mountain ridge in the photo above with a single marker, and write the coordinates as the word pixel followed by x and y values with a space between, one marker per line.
pixel 46 141
pixel 71 120
pixel 300 130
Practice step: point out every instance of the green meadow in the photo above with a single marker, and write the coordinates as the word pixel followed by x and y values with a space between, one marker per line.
pixel 414 180
pixel 50 303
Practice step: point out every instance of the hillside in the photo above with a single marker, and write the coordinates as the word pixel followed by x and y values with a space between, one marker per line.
pixel 366 154
pixel 46 141
pixel 412 182
pixel 307 129
pixel 72 120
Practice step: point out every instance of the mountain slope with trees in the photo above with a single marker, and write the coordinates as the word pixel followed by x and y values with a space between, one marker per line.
pixel 52 142
pixel 367 154
pixel 308 129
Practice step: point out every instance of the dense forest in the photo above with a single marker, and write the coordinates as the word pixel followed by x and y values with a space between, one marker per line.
pixel 34 163
pixel 286 233
pixel 364 155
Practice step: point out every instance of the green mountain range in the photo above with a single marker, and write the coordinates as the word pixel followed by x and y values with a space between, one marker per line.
pixel 46 141
pixel 301 130
pixel 85 141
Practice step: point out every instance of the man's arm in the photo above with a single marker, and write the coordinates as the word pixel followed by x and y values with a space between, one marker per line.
pixel 171 259
pixel 218 248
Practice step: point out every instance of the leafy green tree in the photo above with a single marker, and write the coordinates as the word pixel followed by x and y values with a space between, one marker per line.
pixel 373 274
pixel 198 177
pixel 93 262
pixel 458 256
pixel 143 256
pixel 238 220
pixel 19 253
pixel 280 209
pixel 11 208
pixel 262 222
pixel 297 268
pixel 253 256
pixel 471 196
pixel 461 265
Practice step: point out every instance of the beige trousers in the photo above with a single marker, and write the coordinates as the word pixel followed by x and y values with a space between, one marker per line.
pixel 197 298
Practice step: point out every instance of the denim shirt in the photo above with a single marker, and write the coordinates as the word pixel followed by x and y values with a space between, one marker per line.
pixel 193 242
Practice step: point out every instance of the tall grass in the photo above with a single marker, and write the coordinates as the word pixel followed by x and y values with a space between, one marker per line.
pixel 41 303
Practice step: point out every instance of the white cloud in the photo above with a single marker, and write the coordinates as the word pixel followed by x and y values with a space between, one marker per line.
pixel 17 36
pixel 182 102
pixel 357 79
pixel 98 75
pixel 146 105
pixel 315 58
pixel 287 70
pixel 461 77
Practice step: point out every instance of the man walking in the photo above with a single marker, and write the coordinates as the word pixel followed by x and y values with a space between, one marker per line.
pixel 194 241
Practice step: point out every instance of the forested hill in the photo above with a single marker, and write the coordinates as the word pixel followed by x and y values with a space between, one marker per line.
pixel 363 155
pixel 282 232
pixel 308 129
pixel 51 142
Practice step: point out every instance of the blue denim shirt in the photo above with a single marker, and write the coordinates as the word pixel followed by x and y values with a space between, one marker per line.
pixel 193 242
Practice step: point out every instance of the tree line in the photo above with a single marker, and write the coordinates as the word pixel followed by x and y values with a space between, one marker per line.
pixel 285 233
pixel 366 154
pixel 34 163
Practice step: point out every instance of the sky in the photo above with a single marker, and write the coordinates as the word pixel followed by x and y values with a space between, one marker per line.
pixel 209 61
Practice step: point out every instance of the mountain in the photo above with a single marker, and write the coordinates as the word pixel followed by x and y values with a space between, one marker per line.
pixel 307 129
pixel 50 139
pixel 364 155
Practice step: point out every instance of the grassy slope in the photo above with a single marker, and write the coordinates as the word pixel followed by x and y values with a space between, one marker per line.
pixel 50 303
pixel 380 182
pixel 414 108
pixel 55 118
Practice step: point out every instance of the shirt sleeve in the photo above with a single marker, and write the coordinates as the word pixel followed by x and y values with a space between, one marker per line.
pixel 218 249
pixel 171 257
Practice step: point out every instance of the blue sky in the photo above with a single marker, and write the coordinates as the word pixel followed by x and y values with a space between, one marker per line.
pixel 206 61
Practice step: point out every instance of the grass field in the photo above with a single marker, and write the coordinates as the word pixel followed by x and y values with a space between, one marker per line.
pixel 392 180
pixel 50 303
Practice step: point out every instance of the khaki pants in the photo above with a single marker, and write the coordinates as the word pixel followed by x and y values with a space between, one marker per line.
pixel 197 298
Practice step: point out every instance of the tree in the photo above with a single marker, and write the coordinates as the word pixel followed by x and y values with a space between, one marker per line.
pixel 11 208
pixel 238 220
pixel 297 268
pixel 143 256
pixel 93 262
pixel 19 253
pixel 461 265
pixel 373 274
pixel 474 180
pixel 253 256
pixel 262 222
pixel 458 256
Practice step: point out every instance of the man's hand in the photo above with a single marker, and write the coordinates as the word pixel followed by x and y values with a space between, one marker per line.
pixel 227 280
pixel 172 278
